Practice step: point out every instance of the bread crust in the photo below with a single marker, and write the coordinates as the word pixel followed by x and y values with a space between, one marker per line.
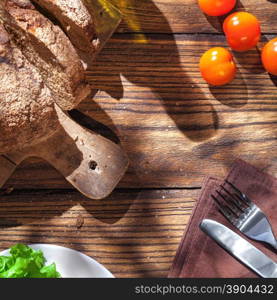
pixel 78 23
pixel 46 46
pixel 27 114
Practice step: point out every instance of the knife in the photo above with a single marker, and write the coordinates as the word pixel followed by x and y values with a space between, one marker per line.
pixel 241 249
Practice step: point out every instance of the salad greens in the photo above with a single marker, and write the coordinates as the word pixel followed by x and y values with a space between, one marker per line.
pixel 25 262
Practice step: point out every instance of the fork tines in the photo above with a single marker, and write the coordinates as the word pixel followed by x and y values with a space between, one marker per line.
pixel 239 194
pixel 232 202
pixel 225 210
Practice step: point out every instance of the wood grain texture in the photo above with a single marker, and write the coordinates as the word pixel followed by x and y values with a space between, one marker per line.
pixel 184 16
pixel 92 164
pixel 175 128
pixel 133 233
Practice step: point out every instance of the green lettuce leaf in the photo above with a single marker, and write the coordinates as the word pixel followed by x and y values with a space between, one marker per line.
pixel 25 262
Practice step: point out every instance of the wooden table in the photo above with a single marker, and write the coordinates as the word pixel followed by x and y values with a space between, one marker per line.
pixel 175 129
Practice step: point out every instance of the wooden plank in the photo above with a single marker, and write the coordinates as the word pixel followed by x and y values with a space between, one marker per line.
pixel 174 127
pixel 133 233
pixel 184 16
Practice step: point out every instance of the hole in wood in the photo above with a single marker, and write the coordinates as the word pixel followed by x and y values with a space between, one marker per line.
pixel 92 165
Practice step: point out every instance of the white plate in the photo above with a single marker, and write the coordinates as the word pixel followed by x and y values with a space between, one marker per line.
pixel 70 263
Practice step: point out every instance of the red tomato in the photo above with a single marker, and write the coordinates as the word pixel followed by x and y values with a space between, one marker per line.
pixel 217 66
pixel 216 7
pixel 269 56
pixel 242 31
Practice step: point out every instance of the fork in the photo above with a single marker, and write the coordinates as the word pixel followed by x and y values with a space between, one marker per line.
pixel 247 217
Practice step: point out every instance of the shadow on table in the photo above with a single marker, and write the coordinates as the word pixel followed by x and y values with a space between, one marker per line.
pixel 179 95
pixel 222 93
pixel 31 207
pixel 31 221
pixel 43 205
pixel 273 79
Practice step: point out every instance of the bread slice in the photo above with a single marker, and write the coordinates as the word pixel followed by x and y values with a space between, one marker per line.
pixel 27 113
pixel 77 22
pixel 47 47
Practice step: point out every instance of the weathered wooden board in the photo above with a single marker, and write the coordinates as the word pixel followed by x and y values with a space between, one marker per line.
pixel 175 128
pixel 180 16
pixel 133 233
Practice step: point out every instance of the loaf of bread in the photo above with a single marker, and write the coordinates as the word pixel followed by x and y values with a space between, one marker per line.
pixel 47 47
pixel 27 113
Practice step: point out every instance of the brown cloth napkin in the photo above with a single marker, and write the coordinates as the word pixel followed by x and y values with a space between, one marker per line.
pixel 198 255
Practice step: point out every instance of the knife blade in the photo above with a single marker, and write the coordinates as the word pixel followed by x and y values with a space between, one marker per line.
pixel 241 249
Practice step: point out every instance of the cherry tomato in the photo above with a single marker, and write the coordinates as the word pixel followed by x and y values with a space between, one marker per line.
pixel 269 56
pixel 242 31
pixel 216 7
pixel 217 66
